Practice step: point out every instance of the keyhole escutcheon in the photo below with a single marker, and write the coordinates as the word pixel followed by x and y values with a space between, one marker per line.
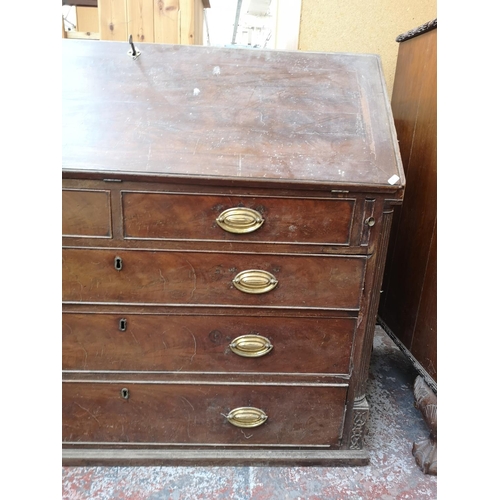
pixel 118 263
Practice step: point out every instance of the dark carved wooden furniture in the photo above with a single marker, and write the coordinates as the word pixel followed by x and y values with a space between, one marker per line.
pixel 226 215
pixel 408 309
pixel 425 450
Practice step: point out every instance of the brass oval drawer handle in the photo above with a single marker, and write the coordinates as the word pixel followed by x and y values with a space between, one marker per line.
pixel 246 416
pixel 240 220
pixel 250 346
pixel 255 281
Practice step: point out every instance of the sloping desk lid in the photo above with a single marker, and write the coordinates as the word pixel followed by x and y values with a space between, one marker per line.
pixel 298 117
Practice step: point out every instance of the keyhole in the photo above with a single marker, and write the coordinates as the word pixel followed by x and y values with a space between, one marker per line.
pixel 122 325
pixel 118 263
pixel 125 393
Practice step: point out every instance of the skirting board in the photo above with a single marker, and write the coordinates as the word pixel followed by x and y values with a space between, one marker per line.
pixel 420 369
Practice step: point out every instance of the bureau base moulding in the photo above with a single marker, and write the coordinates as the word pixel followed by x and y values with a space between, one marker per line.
pixel 216 458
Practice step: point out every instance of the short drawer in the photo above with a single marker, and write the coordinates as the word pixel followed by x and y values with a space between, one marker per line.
pixel 201 414
pixel 236 218
pixel 206 343
pixel 212 278
pixel 86 213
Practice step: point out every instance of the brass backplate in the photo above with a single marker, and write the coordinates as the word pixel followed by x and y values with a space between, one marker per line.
pixel 240 220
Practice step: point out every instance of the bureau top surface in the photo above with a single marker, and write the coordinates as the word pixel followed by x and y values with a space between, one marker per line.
pixel 297 117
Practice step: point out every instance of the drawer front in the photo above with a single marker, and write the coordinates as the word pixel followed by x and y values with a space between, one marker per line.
pixel 86 213
pixel 197 414
pixel 170 277
pixel 234 218
pixel 206 343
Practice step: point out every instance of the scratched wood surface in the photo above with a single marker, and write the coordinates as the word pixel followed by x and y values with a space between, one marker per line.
pixel 86 213
pixel 228 113
pixel 171 215
pixel 159 215
pixel 153 150
pixel 194 413
pixel 201 343
pixel 167 277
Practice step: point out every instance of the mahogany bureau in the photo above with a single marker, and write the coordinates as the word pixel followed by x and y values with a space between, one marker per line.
pixel 225 220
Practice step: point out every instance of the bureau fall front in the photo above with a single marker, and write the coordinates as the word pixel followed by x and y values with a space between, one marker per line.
pixel 225 218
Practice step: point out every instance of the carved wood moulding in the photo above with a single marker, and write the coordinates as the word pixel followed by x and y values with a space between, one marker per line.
pixel 425 451
pixel 424 28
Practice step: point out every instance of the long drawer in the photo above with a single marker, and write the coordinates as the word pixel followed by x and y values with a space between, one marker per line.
pixel 170 277
pixel 202 414
pixel 236 218
pixel 206 343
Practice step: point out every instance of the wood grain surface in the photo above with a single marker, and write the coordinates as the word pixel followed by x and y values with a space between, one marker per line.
pixel 214 112
pixel 207 278
pixel 154 151
pixel 176 216
pixel 201 343
pixel 86 213
pixel 408 304
pixel 195 414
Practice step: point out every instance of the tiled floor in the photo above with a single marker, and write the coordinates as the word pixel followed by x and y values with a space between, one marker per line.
pixel 392 474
